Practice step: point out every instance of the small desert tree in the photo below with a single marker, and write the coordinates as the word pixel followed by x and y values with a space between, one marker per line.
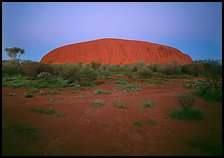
pixel 12 52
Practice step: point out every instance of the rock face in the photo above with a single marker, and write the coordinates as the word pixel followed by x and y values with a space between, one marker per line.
pixel 115 51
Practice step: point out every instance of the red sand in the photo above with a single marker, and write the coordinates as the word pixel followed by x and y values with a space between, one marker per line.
pixel 108 130
pixel 116 51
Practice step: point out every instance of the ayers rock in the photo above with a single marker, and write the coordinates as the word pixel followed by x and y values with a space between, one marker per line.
pixel 115 51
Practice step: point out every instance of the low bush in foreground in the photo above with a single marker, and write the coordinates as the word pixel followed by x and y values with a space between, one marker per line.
pixel 186 112
pixel 189 114
pixel 24 129
pixel 208 146
pixel 50 111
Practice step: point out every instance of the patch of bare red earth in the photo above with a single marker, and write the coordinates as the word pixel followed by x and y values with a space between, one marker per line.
pixel 108 130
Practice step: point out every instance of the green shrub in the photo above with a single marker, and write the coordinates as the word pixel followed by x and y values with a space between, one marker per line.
pixel 121 81
pixel 11 68
pixel 210 92
pixel 144 72
pixel 137 123
pixel 171 69
pixel 95 65
pixel 189 114
pixel 88 73
pixel 99 91
pixel 28 95
pixel 134 88
pixel 50 111
pixel 120 104
pixel 89 84
pixel 30 68
pixel 194 69
pixel 148 104
pixel 103 72
pixel 186 112
pixel 97 102
pixel 70 72
pixel 24 129
pixel 208 146
pixel 115 69
pixel 138 65
pixel 44 75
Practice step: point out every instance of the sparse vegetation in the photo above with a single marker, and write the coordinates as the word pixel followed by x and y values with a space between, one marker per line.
pixel 208 146
pixel 98 102
pixel 121 81
pixel 12 94
pixel 134 88
pixel 28 95
pixel 23 129
pixel 151 121
pixel 137 123
pixel 120 104
pixel 186 101
pixel 189 114
pixel 186 112
pixel 99 91
pixel 50 111
pixel 148 104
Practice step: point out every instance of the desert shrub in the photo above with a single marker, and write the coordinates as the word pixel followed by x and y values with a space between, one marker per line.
pixel 50 111
pixel 103 72
pixel 11 68
pixel 121 81
pixel 115 69
pixel 189 114
pixel 30 68
pixel 185 100
pixel 134 88
pixel 70 72
pixel 155 67
pixel 148 104
pixel 144 72
pixel 88 73
pixel 28 95
pixel 137 123
pixel 95 65
pixel 99 91
pixel 170 69
pixel 24 129
pixel 194 68
pixel 213 68
pixel 98 102
pixel 138 65
pixel 44 75
pixel 186 112
pixel 127 68
pixel 210 91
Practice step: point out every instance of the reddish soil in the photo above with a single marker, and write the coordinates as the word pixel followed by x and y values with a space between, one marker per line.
pixel 108 130
pixel 116 51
